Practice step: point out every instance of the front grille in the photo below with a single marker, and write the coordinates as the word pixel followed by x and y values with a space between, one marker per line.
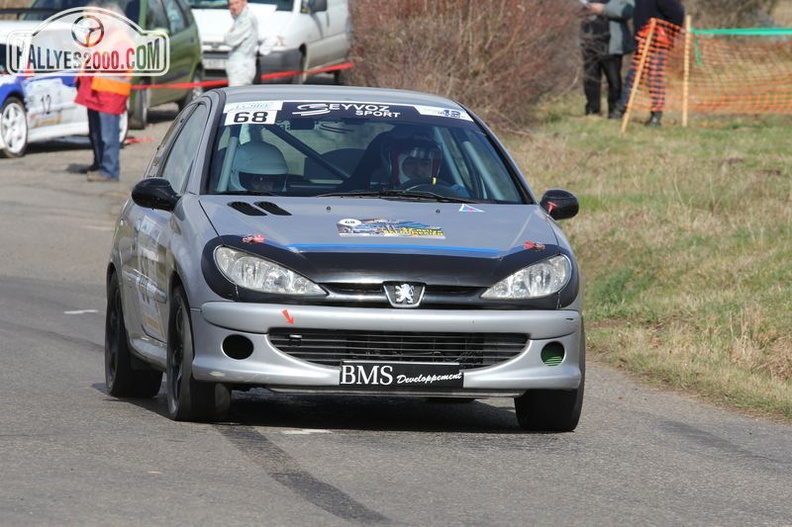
pixel 331 347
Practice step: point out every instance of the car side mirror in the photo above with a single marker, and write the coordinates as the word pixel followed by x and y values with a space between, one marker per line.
pixel 314 6
pixel 560 204
pixel 155 193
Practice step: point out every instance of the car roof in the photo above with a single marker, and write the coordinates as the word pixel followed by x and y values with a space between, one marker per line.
pixel 8 26
pixel 317 92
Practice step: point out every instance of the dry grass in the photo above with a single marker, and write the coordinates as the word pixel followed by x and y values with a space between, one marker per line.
pixel 685 239
pixel 500 59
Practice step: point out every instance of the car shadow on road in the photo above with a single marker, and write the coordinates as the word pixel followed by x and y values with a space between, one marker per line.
pixel 260 407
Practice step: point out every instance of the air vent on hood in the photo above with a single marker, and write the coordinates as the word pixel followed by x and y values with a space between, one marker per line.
pixel 272 208
pixel 246 208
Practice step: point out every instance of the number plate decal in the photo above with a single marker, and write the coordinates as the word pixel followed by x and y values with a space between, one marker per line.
pixel 250 117
pixel 372 375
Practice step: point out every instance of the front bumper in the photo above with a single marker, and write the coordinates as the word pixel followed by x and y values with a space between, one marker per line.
pixel 267 366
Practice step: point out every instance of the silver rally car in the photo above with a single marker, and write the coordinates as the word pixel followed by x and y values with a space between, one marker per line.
pixel 342 240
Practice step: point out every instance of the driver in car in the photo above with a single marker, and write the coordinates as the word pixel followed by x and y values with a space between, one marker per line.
pixel 420 165
pixel 419 162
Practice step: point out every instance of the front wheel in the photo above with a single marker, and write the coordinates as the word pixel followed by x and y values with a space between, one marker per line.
pixel 13 128
pixel 138 117
pixel 121 379
pixel 549 410
pixel 188 399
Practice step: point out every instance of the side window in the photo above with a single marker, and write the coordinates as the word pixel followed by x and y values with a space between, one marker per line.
pixel 175 16
pixel 155 17
pixel 182 154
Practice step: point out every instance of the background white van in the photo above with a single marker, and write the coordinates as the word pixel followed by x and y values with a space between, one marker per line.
pixel 294 35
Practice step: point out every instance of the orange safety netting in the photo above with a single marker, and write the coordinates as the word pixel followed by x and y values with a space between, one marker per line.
pixel 714 71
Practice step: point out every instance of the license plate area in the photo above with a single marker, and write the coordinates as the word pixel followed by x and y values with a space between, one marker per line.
pixel 214 64
pixel 400 376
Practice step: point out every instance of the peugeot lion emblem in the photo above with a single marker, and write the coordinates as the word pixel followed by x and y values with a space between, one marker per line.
pixel 404 295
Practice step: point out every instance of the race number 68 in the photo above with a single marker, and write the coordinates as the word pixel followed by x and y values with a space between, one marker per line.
pixel 254 117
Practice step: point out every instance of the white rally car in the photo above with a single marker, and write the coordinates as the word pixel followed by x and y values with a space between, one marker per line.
pixel 38 107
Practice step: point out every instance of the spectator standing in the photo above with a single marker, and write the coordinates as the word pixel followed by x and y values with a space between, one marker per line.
pixel 243 40
pixel 106 99
pixel 604 39
pixel 671 11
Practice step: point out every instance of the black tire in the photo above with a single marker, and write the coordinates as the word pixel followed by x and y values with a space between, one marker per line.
pixel 302 76
pixel 549 410
pixel 138 116
pixel 341 77
pixel 188 399
pixel 121 379
pixel 553 410
pixel 195 91
pixel 13 128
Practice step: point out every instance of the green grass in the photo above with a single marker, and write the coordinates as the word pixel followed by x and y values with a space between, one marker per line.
pixel 685 241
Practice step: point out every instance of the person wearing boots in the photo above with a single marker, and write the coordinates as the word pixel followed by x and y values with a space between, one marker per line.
pixel 671 11
pixel 604 39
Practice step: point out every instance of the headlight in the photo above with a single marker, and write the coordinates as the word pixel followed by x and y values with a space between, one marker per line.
pixel 258 274
pixel 540 279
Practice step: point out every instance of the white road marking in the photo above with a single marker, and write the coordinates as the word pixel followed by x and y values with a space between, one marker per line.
pixel 305 432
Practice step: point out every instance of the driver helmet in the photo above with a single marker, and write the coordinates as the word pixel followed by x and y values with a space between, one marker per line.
pixel 416 157
pixel 419 162
pixel 259 166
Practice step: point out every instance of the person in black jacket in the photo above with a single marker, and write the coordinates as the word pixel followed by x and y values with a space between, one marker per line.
pixel 671 11
pixel 604 39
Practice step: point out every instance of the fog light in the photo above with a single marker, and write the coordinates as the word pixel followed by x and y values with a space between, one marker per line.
pixel 553 354
pixel 238 347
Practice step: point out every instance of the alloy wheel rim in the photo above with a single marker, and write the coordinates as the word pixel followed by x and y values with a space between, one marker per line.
pixel 114 325
pixel 175 370
pixel 14 127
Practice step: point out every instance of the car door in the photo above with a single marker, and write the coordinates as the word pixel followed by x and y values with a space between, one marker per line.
pixel 49 99
pixel 184 46
pixel 332 24
pixel 150 264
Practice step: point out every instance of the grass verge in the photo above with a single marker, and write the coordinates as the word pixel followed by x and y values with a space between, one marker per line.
pixel 685 241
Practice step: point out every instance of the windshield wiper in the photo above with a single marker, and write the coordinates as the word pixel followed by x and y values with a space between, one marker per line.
pixel 410 195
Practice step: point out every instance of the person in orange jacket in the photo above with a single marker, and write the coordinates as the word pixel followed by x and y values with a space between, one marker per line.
pixel 106 99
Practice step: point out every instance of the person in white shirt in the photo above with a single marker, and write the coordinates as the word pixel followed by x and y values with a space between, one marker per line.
pixel 243 40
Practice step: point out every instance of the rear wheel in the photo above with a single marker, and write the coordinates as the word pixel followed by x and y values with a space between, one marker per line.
pixel 13 128
pixel 121 379
pixel 340 77
pixel 188 399
pixel 301 77
pixel 195 92
pixel 138 117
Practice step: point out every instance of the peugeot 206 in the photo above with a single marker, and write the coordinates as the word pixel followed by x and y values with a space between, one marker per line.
pixel 332 240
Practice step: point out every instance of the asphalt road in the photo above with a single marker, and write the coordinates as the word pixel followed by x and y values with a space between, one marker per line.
pixel 72 455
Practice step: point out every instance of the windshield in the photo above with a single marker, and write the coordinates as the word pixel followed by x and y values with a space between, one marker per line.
pixel 357 150
pixel 280 5
pixel 46 8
